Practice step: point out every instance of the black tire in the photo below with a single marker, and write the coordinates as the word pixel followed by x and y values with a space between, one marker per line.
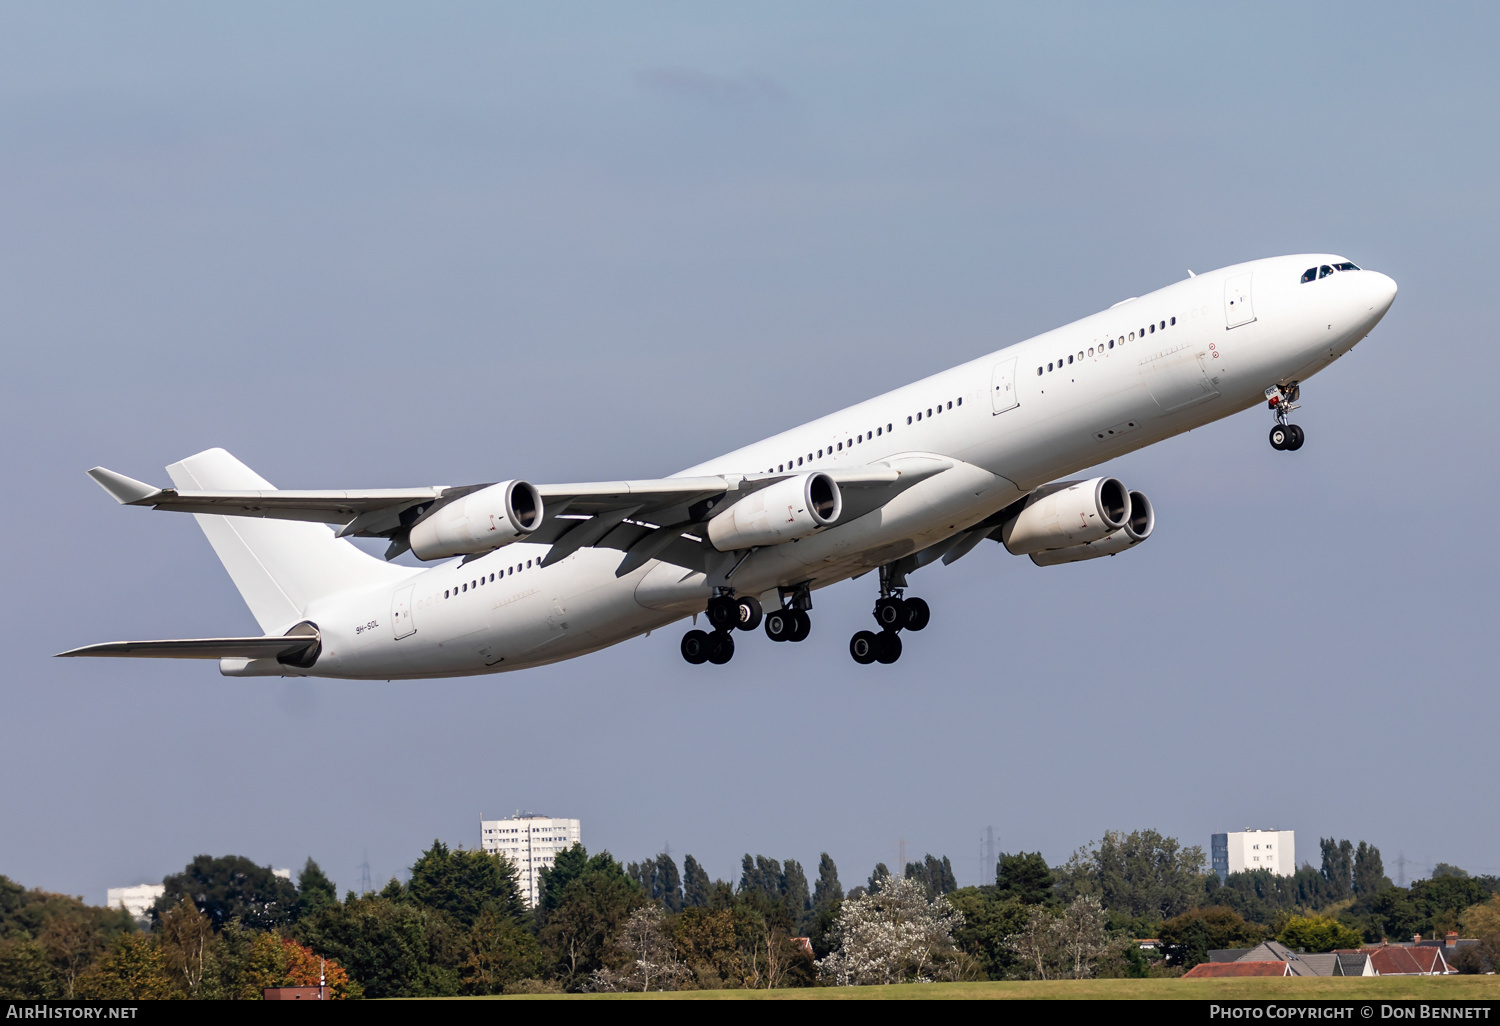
pixel 802 625
pixel 887 647
pixel 723 612
pixel 917 614
pixel 720 647
pixel 862 647
pixel 890 613
pixel 1280 436
pixel 1298 437
pixel 750 613
pixel 695 647
pixel 780 625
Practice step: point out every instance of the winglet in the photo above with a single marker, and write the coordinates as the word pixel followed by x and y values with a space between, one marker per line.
pixel 125 490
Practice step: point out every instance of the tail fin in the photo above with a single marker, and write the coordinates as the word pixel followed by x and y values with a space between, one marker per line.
pixel 279 566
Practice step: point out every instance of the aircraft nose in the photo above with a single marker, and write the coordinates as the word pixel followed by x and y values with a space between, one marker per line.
pixel 1382 291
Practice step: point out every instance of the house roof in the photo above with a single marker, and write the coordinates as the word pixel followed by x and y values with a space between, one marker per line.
pixel 1221 969
pixel 1352 964
pixel 1270 951
pixel 1226 954
pixel 1394 960
pixel 1316 965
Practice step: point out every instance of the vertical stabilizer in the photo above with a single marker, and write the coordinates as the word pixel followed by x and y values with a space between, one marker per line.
pixel 279 566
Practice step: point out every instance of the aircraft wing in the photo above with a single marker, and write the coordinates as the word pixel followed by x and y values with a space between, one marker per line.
pixel 201 648
pixel 648 519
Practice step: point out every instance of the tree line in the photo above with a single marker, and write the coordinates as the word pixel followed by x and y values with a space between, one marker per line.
pixel 226 928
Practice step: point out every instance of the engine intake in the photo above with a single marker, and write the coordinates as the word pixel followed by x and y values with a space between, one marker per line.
pixel 479 522
pixel 782 512
pixel 1068 513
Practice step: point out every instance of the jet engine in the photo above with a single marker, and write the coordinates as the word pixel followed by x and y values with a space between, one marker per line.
pixel 782 512
pixel 1138 527
pixel 479 522
pixel 1067 513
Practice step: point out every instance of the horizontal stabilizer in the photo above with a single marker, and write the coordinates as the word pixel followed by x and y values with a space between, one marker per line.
pixel 270 647
pixel 123 489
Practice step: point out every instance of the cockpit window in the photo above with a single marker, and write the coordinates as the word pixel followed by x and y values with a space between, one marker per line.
pixel 1324 271
pixel 1345 266
pixel 1313 273
pixel 1309 274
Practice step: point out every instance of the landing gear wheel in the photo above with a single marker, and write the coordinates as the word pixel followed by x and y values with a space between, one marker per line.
pixel 780 624
pixel 1280 437
pixel 917 614
pixel 695 646
pixel 801 625
pixel 890 613
pixel 1298 437
pixel 723 612
pixel 720 647
pixel 887 647
pixel 862 647
pixel 748 607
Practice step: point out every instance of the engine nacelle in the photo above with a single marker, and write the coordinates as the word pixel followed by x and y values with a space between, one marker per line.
pixel 782 512
pixel 1068 513
pixel 479 522
pixel 1136 530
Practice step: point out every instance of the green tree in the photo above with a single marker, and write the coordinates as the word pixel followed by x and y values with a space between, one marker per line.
pixel 697 888
pixel 1024 877
pixel 878 879
pixel 658 878
pixel 25 972
pixel 465 883
pixel 231 887
pixel 132 970
pixel 498 952
pixel 578 934
pixel 1188 938
pixel 186 939
pixel 1142 874
pixel 390 947
pixel 314 889
pixel 1317 933
pixel 935 875
pixel 989 919
pixel 795 894
pixel 1338 867
pixel 828 889
pixel 569 865
pixel 1369 873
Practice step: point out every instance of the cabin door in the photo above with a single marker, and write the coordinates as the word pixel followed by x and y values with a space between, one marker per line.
pixel 402 624
pixel 1003 386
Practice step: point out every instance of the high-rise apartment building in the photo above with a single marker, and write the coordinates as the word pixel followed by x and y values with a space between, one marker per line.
pixel 1245 851
pixel 531 843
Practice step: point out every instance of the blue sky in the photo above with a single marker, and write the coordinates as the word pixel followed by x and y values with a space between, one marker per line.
pixel 367 245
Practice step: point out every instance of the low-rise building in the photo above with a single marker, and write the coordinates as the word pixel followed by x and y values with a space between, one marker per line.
pixel 136 900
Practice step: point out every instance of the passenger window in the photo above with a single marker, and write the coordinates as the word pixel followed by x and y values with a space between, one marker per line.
pixel 1080 356
pixel 1070 359
pixel 1153 329
pixel 1132 336
pixel 1121 340
pixel 1163 325
pixel 1111 343
pixel 950 404
pixel 1324 271
pixel 492 577
pixel 889 428
pixel 960 400
pixel 528 563
pixel 1049 365
pixel 445 593
pixel 799 461
pixel 1174 320
pixel 929 411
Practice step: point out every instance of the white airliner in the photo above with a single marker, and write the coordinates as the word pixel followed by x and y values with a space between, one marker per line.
pixel 533 574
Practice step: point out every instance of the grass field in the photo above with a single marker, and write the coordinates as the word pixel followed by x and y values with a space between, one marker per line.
pixel 1368 988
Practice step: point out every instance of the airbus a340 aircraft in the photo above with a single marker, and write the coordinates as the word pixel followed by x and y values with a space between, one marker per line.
pixel 531 574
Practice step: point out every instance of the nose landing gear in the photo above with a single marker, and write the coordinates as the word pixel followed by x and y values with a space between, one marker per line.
pixel 893 613
pixel 1282 400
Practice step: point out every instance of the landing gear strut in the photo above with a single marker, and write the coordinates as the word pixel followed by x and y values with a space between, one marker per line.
pixel 893 613
pixel 1282 400
pixel 726 612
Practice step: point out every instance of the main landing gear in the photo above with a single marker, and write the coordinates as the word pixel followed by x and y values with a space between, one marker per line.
pixel 791 622
pixel 1282 400
pixel 893 613
pixel 725 613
